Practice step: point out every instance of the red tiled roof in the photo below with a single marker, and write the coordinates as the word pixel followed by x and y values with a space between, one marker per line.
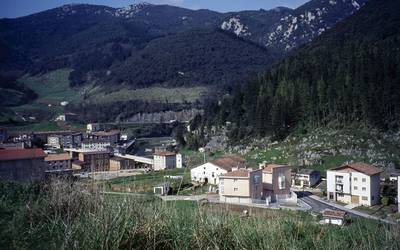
pixel 361 167
pixel 230 161
pixel 21 154
pixel 269 168
pixel 238 173
pixel 334 213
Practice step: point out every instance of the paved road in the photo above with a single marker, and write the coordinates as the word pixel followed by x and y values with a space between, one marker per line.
pixel 317 204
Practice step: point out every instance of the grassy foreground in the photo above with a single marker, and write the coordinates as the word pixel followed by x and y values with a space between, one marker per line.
pixel 65 216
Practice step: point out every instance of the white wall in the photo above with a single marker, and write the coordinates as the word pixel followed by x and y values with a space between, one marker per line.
pixel 353 185
pixel 198 174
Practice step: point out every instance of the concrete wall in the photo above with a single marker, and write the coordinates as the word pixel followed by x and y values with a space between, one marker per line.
pixel 23 170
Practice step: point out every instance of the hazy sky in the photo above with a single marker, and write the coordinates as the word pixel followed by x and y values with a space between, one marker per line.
pixel 16 8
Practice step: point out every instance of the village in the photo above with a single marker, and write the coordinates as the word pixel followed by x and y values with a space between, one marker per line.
pixel 105 157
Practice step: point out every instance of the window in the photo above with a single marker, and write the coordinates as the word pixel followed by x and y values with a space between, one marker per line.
pixel 364 189
pixel 364 180
pixel 281 181
pixel 340 195
pixel 235 189
pixel 372 198
pixel 235 180
pixel 364 198
pixel 355 179
pixel 355 188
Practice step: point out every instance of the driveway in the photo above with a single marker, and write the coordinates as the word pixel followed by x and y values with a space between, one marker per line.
pixel 318 205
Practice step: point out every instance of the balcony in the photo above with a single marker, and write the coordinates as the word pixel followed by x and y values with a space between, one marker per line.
pixel 339 180
pixel 339 188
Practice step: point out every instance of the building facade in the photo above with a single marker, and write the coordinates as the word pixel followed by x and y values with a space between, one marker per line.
pixel 58 162
pixel 276 181
pixel 209 172
pixel 95 161
pixel 164 160
pixel 112 136
pixel 22 165
pixel 305 178
pixel 95 145
pixel 241 186
pixel 356 183
pixel 64 140
pixel 118 163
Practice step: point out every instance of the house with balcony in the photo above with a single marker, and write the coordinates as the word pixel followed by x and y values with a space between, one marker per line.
pixel 241 186
pixel 356 183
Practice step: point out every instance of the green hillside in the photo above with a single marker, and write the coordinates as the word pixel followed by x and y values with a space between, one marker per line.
pixel 351 74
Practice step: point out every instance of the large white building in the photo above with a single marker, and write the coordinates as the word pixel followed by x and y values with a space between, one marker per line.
pixel 356 183
pixel 209 172
pixel 167 160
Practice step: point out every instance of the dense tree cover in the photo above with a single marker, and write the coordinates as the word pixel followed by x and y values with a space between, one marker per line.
pixel 196 57
pixel 350 74
pixel 13 93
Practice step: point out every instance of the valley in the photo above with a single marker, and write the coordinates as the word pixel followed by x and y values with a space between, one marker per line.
pixel 154 126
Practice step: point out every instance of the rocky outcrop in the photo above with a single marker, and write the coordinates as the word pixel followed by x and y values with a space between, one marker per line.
pixel 165 116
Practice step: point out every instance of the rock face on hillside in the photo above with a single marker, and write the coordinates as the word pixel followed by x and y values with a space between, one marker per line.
pixel 283 29
pixel 165 117
pixel 327 148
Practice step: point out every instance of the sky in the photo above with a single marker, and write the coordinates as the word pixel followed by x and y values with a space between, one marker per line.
pixel 17 8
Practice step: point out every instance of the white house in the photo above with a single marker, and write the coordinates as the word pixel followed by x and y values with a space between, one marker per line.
pixel 305 178
pixel 355 183
pixel 209 172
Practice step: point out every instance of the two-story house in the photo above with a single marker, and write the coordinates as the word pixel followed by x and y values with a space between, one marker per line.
pixel 356 183
pixel 241 186
pixel 209 172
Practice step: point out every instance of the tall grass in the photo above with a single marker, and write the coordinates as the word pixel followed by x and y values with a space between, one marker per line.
pixel 63 215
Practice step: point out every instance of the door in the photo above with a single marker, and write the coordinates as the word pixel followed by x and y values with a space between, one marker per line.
pixel 355 199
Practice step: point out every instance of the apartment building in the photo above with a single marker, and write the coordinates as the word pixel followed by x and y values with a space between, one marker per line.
pixel 356 183
pixel 241 186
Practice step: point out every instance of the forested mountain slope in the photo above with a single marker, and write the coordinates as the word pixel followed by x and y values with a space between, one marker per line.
pixel 349 74
pixel 96 41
